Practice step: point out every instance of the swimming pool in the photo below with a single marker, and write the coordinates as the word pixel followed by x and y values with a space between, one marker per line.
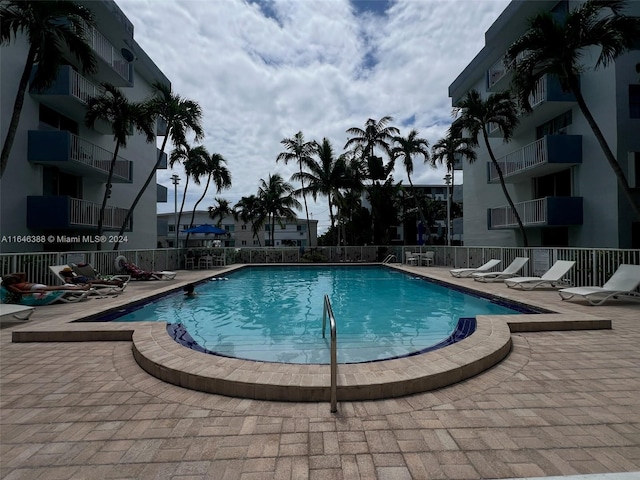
pixel 275 313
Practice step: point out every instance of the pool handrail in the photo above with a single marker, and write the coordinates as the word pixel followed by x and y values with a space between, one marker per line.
pixel 334 350
pixel 389 257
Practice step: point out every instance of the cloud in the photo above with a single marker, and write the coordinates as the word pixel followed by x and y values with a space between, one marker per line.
pixel 264 70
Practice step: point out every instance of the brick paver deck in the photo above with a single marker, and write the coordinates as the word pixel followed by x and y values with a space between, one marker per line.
pixel 560 403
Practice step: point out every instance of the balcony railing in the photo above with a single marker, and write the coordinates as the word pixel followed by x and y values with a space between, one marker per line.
pixel 66 150
pixel 500 70
pixel 81 88
pixel 555 152
pixel 550 211
pixel 107 51
pixel 85 213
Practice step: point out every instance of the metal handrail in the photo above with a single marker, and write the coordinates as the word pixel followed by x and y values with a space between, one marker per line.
pixel 388 258
pixel 334 350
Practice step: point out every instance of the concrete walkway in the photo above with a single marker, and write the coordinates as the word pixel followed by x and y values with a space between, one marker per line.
pixel 561 403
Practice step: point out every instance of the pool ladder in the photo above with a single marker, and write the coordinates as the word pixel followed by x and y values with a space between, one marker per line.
pixel 388 258
pixel 327 310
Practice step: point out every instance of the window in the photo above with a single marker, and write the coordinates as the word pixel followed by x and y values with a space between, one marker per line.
pixel 244 226
pixel 255 242
pixel 634 101
pixel 172 228
pixel 244 242
pixel 555 126
pixel 553 185
pixel 299 228
pixel 54 119
pixel 229 228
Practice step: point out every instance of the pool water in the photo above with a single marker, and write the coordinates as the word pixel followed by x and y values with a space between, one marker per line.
pixel 275 313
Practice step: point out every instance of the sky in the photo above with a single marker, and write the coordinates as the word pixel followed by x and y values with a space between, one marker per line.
pixel 263 70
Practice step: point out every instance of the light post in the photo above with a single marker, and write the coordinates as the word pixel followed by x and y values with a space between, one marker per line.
pixel 447 179
pixel 175 179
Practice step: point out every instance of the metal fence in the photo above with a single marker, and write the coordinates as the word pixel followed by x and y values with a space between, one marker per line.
pixel 593 266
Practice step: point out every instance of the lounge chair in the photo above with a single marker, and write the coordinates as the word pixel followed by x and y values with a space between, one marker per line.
pixel 137 273
pixel 90 276
pixel 551 278
pixel 622 284
pixel 19 312
pixel 509 272
pixel 410 258
pixel 37 299
pixel 467 272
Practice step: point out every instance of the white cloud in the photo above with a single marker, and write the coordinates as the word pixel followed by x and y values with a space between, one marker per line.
pixel 313 66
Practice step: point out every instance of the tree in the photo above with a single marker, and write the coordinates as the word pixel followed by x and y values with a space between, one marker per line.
pixel 406 148
pixel 445 151
pixel 214 168
pixel 555 47
pixel 192 160
pixel 298 151
pixel 278 202
pixel 474 114
pixel 113 107
pixel 51 28
pixel 249 209
pixel 222 209
pixel 325 176
pixel 180 116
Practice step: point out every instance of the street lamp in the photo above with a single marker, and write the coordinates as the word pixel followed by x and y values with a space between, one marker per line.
pixel 447 179
pixel 175 179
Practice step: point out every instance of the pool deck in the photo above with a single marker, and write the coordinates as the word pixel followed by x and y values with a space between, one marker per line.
pixel 558 403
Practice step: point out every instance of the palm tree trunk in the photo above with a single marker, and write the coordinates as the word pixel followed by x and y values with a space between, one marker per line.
pixel 415 196
pixel 193 213
pixel 331 216
pixel 141 192
pixel 107 188
pixel 17 110
pixel 504 188
pixel 613 163
pixel 184 197
pixel 306 209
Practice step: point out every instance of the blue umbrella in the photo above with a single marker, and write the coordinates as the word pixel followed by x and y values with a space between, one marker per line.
pixel 206 228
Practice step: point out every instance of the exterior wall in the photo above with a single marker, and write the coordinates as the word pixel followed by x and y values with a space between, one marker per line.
pixel 606 214
pixel 23 178
pixel 239 233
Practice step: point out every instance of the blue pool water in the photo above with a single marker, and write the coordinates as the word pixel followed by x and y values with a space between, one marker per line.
pixel 275 313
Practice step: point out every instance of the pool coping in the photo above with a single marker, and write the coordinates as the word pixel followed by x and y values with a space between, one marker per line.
pixel 159 355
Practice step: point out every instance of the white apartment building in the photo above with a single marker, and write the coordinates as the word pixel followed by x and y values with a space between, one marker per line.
pixel 564 189
pixel 55 180
pixel 239 234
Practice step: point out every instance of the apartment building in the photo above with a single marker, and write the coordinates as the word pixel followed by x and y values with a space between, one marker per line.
pixel 564 189
pixel 239 234
pixel 55 180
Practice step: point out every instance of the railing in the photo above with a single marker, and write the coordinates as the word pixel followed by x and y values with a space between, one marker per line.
pixel 327 310
pixel 81 88
pixel 388 258
pixel 539 93
pixel 528 156
pixel 107 51
pixel 88 153
pixel 83 212
pixel 532 212
pixel 500 69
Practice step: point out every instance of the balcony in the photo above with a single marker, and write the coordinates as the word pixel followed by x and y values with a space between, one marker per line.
pixel 548 211
pixel 69 95
pixel 550 154
pixel 547 101
pixel 75 155
pixel 53 212
pixel 499 74
pixel 112 66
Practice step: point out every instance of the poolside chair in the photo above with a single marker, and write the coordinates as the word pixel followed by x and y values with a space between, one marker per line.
pixel 509 272
pixel 551 278
pixel 467 272
pixel 427 258
pixel 622 284
pixel 18 312
pixel 137 273
pixel 410 258
pixel 88 272
pixel 38 299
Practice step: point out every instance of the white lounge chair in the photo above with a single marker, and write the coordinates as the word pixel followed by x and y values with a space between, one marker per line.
pixel 551 278
pixel 410 258
pixel 19 312
pixel 509 272
pixel 91 277
pixel 466 272
pixel 622 284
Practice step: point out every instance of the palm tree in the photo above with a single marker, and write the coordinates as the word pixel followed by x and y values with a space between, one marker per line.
pixel 180 116
pixel 325 176
pixel 192 159
pixel 51 28
pixel 278 202
pixel 555 47
pixel 298 151
pixel 474 114
pixel 214 168
pixel 113 107
pixel 223 209
pixel 445 151
pixel 248 209
pixel 406 148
